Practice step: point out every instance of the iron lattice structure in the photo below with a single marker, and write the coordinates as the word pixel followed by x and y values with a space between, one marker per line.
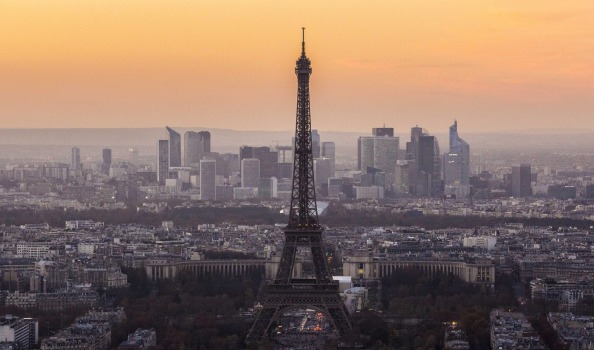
pixel 303 230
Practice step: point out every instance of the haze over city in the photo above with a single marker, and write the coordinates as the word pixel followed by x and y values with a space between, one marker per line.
pixel 493 66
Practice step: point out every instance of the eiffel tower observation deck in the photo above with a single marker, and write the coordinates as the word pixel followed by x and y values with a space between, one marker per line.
pixel 303 230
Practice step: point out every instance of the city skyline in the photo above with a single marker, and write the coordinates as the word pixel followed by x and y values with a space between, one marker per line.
pixel 75 64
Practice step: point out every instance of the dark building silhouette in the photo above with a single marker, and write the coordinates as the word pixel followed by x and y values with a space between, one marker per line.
pixel 196 145
pixel 174 148
pixel 456 162
pixel 428 167
pixel 521 179
pixel 268 159
pixel 162 160
pixel 106 161
pixel 315 144
pixel 562 192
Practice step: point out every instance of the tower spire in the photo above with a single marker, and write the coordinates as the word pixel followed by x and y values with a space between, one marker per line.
pixel 302 41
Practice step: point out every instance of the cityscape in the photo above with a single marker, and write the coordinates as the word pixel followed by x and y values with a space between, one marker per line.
pixel 232 237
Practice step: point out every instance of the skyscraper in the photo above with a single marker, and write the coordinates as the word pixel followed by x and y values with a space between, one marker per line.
pixel 133 155
pixel 385 153
pixel 379 152
pixel 322 170
pixel 365 156
pixel 174 148
pixel 329 152
pixel 521 185
pixel 106 161
pixel 196 145
pixel 268 159
pixel 428 167
pixel 457 165
pixel 162 160
pixel 208 170
pixel 250 172
pixel 412 147
pixel 75 158
pixel 315 144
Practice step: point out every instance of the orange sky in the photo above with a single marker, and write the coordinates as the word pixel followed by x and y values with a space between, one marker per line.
pixel 492 65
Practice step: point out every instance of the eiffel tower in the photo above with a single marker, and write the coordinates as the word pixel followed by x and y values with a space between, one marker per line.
pixel 303 230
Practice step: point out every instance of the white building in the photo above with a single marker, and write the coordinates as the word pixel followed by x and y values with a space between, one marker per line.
pixel 485 242
pixel 24 331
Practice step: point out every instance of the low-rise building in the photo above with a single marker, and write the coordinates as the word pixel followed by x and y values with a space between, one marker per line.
pixel 23 331
pixel 576 332
pixel 512 331
pixel 141 339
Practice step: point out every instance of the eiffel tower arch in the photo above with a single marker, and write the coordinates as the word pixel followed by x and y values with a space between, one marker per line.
pixel 303 230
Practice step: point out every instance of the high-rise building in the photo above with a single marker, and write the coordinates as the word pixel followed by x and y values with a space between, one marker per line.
pixel 521 180
pixel 428 167
pixel 329 152
pixel 412 147
pixel 268 159
pixel 424 165
pixel 75 158
pixel 250 173
pixel 379 152
pixel 174 148
pixel 208 169
pixel 315 144
pixel 385 153
pixel 322 171
pixel 162 161
pixel 196 145
pixel 106 161
pixel 365 153
pixel 457 165
pixel 268 188
pixel 383 131
pixel 133 155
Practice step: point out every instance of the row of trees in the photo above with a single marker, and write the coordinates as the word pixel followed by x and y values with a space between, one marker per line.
pixel 183 217
pixel 418 307
pixel 335 215
pixel 338 215
pixel 190 312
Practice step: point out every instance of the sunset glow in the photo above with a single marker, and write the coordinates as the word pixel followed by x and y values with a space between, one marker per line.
pixel 493 65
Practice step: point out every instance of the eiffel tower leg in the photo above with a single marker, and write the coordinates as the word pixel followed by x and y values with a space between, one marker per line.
pixel 262 324
pixel 339 316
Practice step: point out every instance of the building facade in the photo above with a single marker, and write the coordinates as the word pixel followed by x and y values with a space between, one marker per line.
pixel 208 170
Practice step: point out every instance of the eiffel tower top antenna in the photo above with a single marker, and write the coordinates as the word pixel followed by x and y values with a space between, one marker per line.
pixel 303 42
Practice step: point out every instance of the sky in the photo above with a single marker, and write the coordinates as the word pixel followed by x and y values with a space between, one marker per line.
pixel 492 65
